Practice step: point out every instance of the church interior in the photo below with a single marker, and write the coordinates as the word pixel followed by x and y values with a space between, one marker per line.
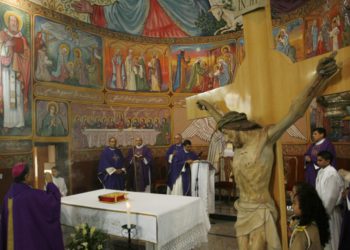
pixel 81 72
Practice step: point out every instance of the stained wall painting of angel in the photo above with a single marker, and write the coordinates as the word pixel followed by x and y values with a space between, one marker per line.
pixel 51 118
pixel 93 125
pixel 202 67
pixel 15 80
pixel 66 55
pixel 137 67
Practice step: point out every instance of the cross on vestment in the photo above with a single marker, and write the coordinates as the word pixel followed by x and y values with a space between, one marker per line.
pixel 264 87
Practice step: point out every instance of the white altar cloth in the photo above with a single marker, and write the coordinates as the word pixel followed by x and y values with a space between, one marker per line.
pixel 163 221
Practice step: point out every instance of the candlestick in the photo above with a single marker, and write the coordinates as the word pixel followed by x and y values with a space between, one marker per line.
pixel 128 214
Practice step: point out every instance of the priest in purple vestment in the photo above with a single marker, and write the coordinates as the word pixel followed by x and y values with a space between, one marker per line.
pixel 111 170
pixel 139 161
pixel 180 170
pixel 321 143
pixel 173 149
pixel 30 218
pixel 344 240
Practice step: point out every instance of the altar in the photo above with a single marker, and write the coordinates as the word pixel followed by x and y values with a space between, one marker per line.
pixel 162 221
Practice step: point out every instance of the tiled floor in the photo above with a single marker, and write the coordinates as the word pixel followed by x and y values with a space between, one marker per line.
pixel 222 235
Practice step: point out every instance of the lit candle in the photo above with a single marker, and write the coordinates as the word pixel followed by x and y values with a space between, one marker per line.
pixel 128 214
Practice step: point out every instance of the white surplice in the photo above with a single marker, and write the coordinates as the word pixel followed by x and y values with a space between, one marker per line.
pixel 329 186
pixel 60 184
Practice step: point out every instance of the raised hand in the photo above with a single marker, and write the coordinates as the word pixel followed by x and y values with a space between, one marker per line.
pixel 83 6
pixel 327 66
pixel 203 105
pixel 48 177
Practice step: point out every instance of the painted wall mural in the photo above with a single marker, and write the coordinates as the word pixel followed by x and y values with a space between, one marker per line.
pixel 303 29
pixel 15 83
pixel 66 55
pixel 202 67
pixel 137 67
pixel 153 18
pixel 93 125
pixel 51 118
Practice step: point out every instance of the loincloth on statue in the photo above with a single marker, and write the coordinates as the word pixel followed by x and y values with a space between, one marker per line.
pixel 252 215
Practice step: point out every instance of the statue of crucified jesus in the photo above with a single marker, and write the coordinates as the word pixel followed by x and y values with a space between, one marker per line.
pixel 254 158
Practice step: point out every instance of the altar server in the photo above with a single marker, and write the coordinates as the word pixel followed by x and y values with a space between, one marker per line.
pixel 329 186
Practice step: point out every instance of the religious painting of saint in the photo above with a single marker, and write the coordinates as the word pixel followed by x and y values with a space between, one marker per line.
pixel 202 67
pixel 51 119
pixel 137 67
pixel 67 56
pixel 15 84
pixel 94 125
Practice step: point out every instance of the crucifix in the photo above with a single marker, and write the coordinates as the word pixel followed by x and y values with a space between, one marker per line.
pixel 264 88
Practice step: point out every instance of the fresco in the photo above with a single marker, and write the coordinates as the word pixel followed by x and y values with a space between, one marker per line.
pixel 51 118
pixel 153 18
pixel 15 84
pixel 289 40
pixel 137 67
pixel 304 29
pixel 202 67
pixel 66 55
pixel 93 125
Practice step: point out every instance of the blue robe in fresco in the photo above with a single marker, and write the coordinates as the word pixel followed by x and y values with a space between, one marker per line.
pixel 36 218
pixel 176 170
pixel 129 16
pixel 111 158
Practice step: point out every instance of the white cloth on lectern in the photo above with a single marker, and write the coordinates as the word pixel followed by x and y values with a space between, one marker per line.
pixel 203 183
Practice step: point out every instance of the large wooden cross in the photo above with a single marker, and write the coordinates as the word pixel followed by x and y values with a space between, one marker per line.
pixel 265 85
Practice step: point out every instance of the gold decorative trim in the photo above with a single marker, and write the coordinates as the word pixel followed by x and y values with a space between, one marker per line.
pixel 10 233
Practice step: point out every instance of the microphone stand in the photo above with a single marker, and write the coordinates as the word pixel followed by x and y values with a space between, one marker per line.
pixel 196 187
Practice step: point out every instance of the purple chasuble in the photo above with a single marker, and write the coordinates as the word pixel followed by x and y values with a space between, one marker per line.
pixel 344 242
pixel 310 171
pixel 175 170
pixel 138 171
pixel 172 148
pixel 111 158
pixel 36 218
